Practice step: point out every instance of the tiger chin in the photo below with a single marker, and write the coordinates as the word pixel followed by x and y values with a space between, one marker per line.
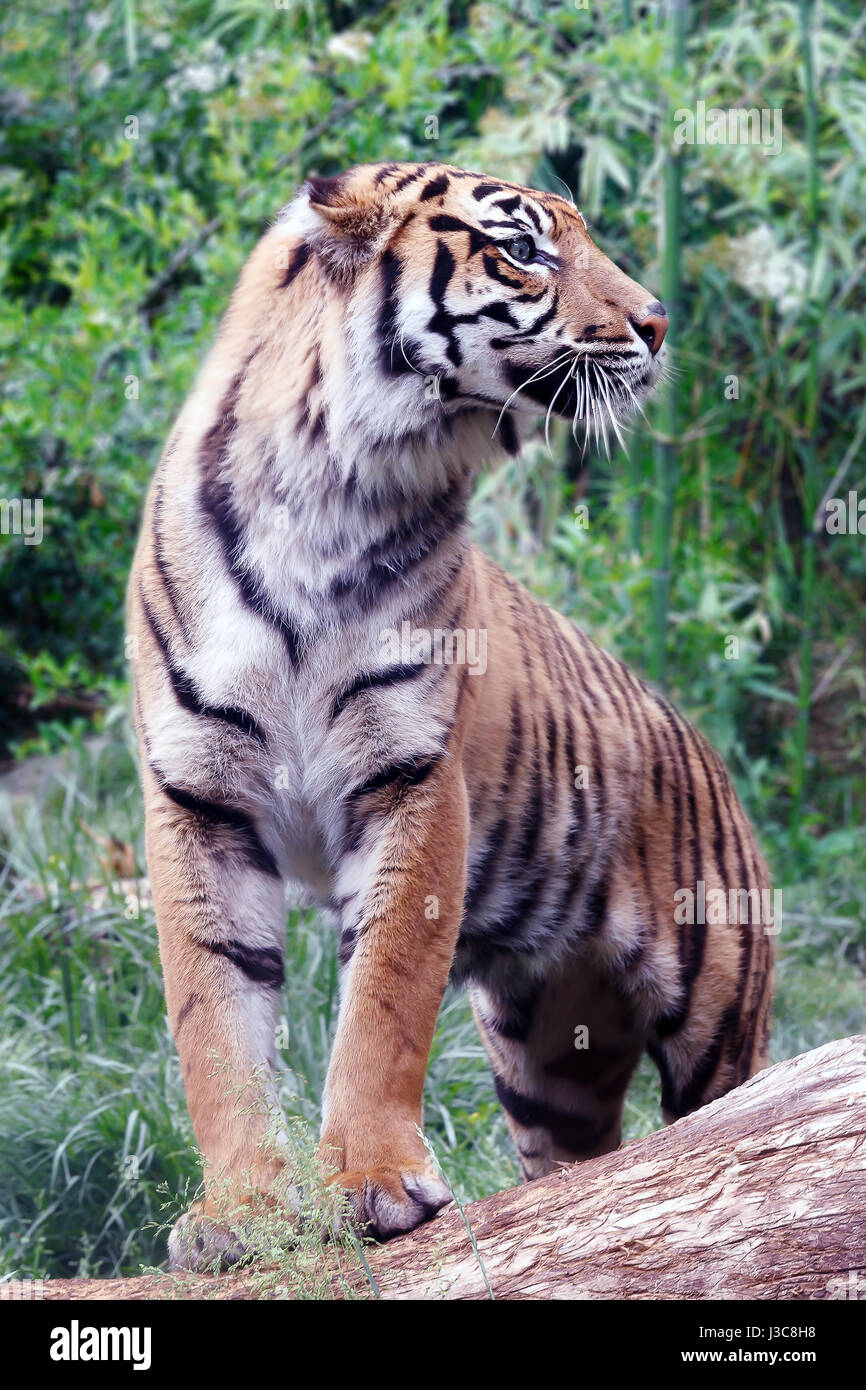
pixel 521 830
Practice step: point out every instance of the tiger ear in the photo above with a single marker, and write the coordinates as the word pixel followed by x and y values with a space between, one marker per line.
pixel 353 222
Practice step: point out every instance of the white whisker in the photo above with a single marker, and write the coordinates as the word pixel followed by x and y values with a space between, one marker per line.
pixel 611 412
pixel 536 376
pixel 566 379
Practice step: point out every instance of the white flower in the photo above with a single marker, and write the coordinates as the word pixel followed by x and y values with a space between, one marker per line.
pixel 98 76
pixel 201 77
pixel 352 45
pixel 766 270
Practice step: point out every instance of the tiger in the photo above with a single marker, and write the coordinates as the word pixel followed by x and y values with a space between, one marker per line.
pixel 338 694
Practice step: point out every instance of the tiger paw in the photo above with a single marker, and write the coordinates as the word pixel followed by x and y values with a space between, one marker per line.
pixel 199 1243
pixel 385 1202
pixel 212 1237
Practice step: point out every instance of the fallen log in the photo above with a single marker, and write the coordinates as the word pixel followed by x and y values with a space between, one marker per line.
pixel 760 1195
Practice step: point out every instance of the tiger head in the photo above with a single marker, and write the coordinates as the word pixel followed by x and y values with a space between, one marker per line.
pixel 473 293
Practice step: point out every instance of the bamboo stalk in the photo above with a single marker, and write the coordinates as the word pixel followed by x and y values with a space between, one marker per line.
pixel 634 505
pixel 811 490
pixel 665 453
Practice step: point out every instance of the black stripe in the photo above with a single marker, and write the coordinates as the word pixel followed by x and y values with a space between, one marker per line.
pixel 576 829
pixel 697 851
pixel 212 815
pixel 562 671
pixel 216 501
pixel 583 689
pixel 574 1132
pixel 668 1098
pixel 495 271
pixel 388 560
pixel 261 964
pixel 528 298
pixel 499 312
pixel 348 941
pixel 657 777
pixel 519 627
pixel 441 321
pixel 374 574
pixel 746 973
pixel 678 1100
pixel 733 806
pixel 693 1093
pixel 552 730
pixel 597 659
pixel 480 875
pixel 442 222
pixel 186 691
pixel 508 436
pixel 649 896
pixel 300 256
pixel 192 1001
pixel 409 772
pixel 595 910
pixel 718 828
pixel 434 188
pixel 515 744
pixel 524 333
pixel 407 179
pixel 385 172
pixel 676 837
pixel 669 1023
pixel 515 1014
pixel 162 564
pixel 379 680
pixel 391 363
pixel 757 978
pixel 527 872
pixel 524 1110
pixel 693 941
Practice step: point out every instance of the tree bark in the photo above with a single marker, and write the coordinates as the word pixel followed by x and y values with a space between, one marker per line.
pixel 760 1195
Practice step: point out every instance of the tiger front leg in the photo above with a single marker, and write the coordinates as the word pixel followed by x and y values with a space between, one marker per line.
pixel 220 913
pixel 400 929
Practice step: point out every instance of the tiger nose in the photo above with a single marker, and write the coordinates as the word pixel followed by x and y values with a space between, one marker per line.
pixel 653 326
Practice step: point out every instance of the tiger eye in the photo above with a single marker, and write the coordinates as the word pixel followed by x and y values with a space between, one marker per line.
pixel 521 248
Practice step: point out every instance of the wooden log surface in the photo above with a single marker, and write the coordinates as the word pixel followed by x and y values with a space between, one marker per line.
pixel 760 1195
